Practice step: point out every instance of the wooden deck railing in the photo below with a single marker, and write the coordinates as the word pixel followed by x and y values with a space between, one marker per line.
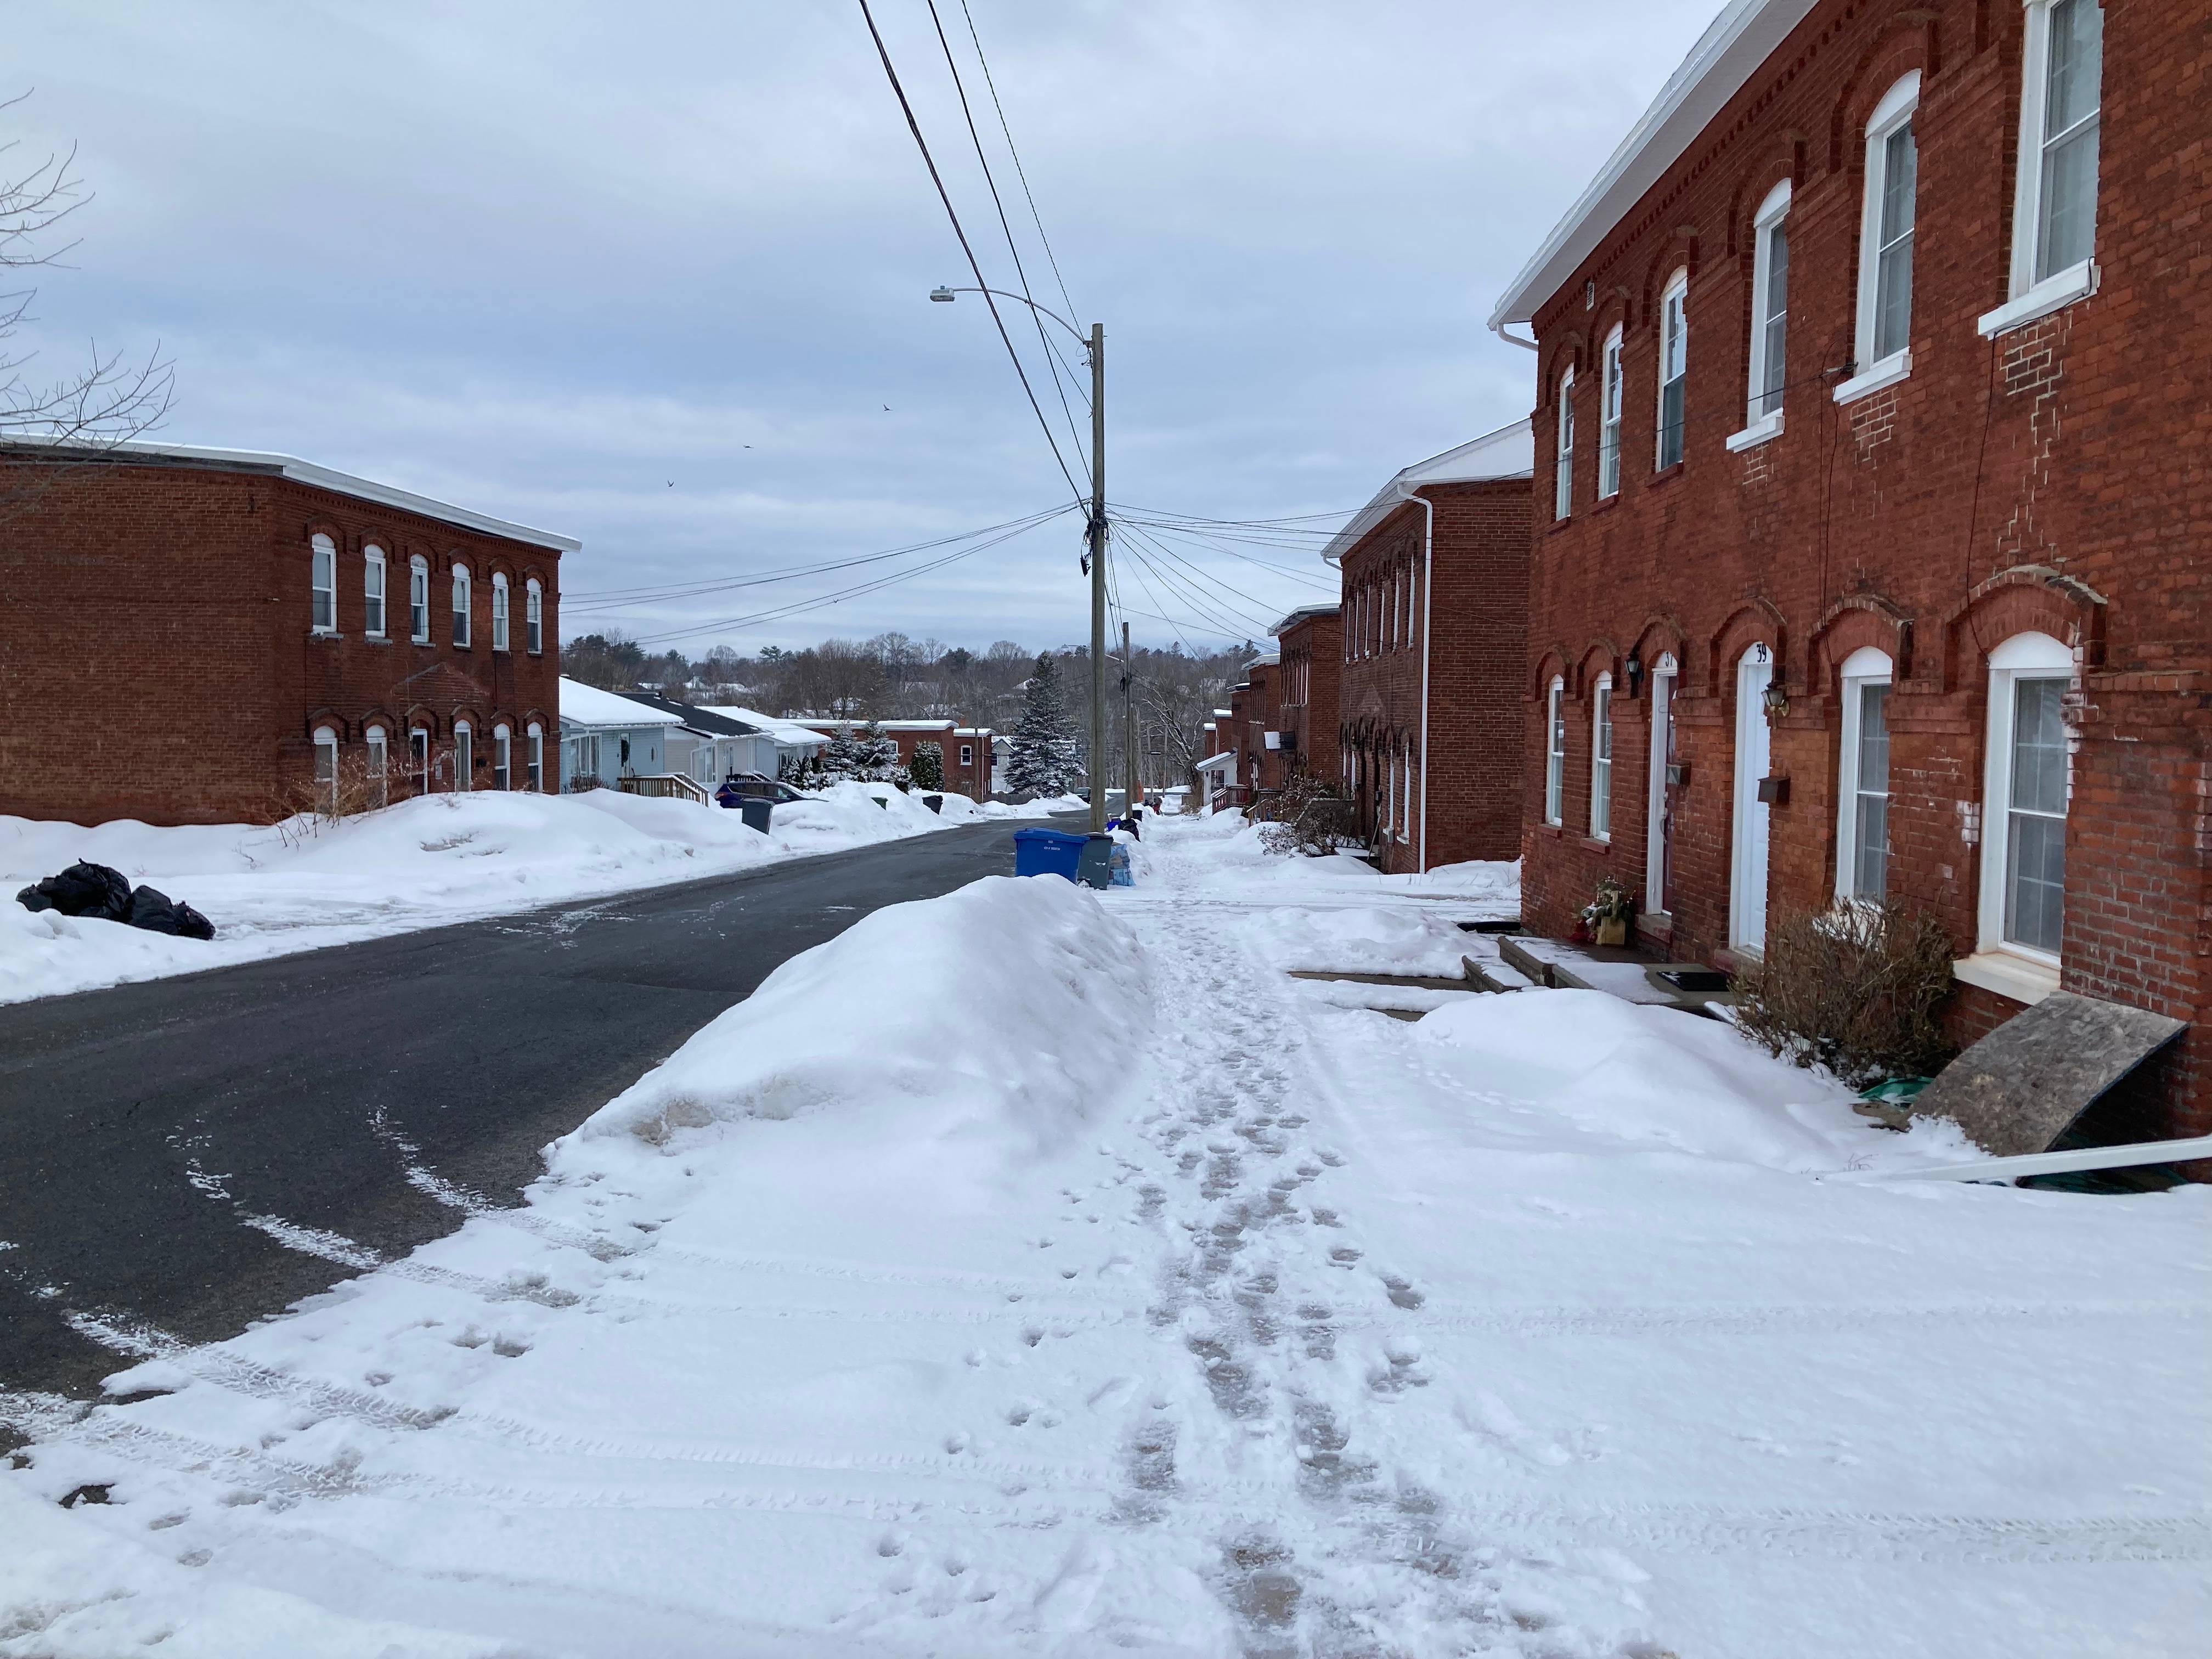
pixel 671 786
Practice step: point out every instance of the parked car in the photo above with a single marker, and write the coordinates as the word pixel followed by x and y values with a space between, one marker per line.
pixel 758 786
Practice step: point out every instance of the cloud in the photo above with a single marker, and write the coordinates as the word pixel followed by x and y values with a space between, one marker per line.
pixel 545 259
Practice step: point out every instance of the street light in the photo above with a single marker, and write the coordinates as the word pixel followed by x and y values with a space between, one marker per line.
pixel 1095 345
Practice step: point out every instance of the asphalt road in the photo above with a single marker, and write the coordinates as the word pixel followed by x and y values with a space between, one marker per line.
pixel 139 1127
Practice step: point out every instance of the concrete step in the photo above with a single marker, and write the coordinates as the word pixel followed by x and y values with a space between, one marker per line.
pixel 1613 969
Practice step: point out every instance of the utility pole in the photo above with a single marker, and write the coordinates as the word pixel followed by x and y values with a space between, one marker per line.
pixel 1098 579
pixel 1129 715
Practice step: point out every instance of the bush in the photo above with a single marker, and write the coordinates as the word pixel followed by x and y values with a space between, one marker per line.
pixel 1854 989
pixel 927 767
pixel 1305 816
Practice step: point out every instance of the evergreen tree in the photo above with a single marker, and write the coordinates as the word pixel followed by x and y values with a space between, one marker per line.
pixel 878 754
pixel 840 759
pixel 1044 761
pixel 928 768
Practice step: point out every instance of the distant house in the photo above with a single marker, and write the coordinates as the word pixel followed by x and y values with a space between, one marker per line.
pixel 1311 641
pixel 709 747
pixel 605 738
pixel 966 749
pixel 794 743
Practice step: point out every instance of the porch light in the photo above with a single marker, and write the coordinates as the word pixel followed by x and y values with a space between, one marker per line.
pixel 1776 699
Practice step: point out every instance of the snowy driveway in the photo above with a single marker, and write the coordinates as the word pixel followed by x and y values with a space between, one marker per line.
pixel 1061 1282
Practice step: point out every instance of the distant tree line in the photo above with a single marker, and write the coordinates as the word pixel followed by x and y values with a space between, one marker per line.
pixel 893 676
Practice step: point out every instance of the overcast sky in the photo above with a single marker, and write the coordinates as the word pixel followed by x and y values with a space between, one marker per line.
pixel 654 275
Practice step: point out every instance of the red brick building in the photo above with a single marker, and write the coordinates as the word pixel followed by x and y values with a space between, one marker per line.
pixel 1309 642
pixel 192 635
pixel 1872 434
pixel 1428 703
pixel 1253 734
pixel 966 749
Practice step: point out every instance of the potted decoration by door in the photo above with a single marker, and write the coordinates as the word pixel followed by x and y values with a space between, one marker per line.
pixel 1608 914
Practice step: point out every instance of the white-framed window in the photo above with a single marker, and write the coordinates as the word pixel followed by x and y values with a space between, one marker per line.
pixel 461 605
pixel 323 583
pixel 1674 368
pixel 418 758
pixel 1555 751
pixel 502 739
pixel 1608 430
pixel 1390 793
pixel 499 610
pixel 1601 811
pixel 418 599
pixel 1863 780
pixel 1884 330
pixel 2024 786
pixel 326 768
pixel 379 765
pixel 2054 222
pixel 1563 469
pixel 372 591
pixel 464 756
pixel 1769 307
pixel 533 617
pixel 967 754
pixel 534 755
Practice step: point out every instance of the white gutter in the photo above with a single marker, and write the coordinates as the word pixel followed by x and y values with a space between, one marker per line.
pixel 1499 329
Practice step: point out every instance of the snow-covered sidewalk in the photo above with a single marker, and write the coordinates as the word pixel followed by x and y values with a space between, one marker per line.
pixel 420 863
pixel 1028 1271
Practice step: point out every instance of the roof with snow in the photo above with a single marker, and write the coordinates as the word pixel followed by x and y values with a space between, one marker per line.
pixel 1265 660
pixel 1215 762
pixel 306 472
pixel 694 718
pixel 586 705
pixel 1727 54
pixel 1508 452
pixel 893 726
pixel 1303 613
pixel 790 733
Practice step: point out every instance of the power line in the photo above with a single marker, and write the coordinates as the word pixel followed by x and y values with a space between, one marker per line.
pixel 1021 275
pixel 1204 575
pixel 1310 580
pixel 1019 171
pixel 936 179
pixel 622 598
pixel 875 584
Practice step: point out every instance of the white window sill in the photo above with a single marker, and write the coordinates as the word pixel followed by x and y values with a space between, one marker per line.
pixel 2052 294
pixel 2008 973
pixel 1887 372
pixel 1766 427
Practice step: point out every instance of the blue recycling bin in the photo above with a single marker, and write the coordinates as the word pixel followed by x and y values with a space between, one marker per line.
pixel 1047 852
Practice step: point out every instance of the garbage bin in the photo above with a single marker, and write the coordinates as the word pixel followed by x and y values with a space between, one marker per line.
pixel 1095 866
pixel 756 811
pixel 1047 852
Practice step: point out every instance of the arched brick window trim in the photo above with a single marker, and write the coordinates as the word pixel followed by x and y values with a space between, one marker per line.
pixel 329 717
pixel 421 715
pixel 538 715
pixel 1601 656
pixel 376 716
pixel 1783 160
pixel 1567 354
pixel 1903 47
pixel 1750 623
pixel 1679 252
pixel 2027 599
pixel 1659 636
pixel 1858 621
pixel 1554 663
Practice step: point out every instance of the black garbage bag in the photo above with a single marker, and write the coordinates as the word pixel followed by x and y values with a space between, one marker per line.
pixel 157 913
pixel 82 890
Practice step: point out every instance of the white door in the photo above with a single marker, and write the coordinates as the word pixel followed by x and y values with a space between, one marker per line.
pixel 1747 870
pixel 1659 821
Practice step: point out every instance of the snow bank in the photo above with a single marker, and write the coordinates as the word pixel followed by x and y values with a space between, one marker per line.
pixel 1008 999
pixel 420 863
pixel 1640 1074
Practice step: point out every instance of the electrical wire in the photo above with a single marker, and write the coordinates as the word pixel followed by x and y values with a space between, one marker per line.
pixel 1196 570
pixel 621 598
pixel 914 126
pixel 875 584
pixel 1021 273
pixel 1020 172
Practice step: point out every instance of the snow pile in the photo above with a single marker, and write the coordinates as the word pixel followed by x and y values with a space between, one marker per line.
pixel 917 1004
pixel 420 863
pixel 1651 1077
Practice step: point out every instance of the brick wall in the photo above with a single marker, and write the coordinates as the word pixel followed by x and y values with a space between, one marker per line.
pixel 160 659
pixel 1480 560
pixel 2053 479
pixel 1312 650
